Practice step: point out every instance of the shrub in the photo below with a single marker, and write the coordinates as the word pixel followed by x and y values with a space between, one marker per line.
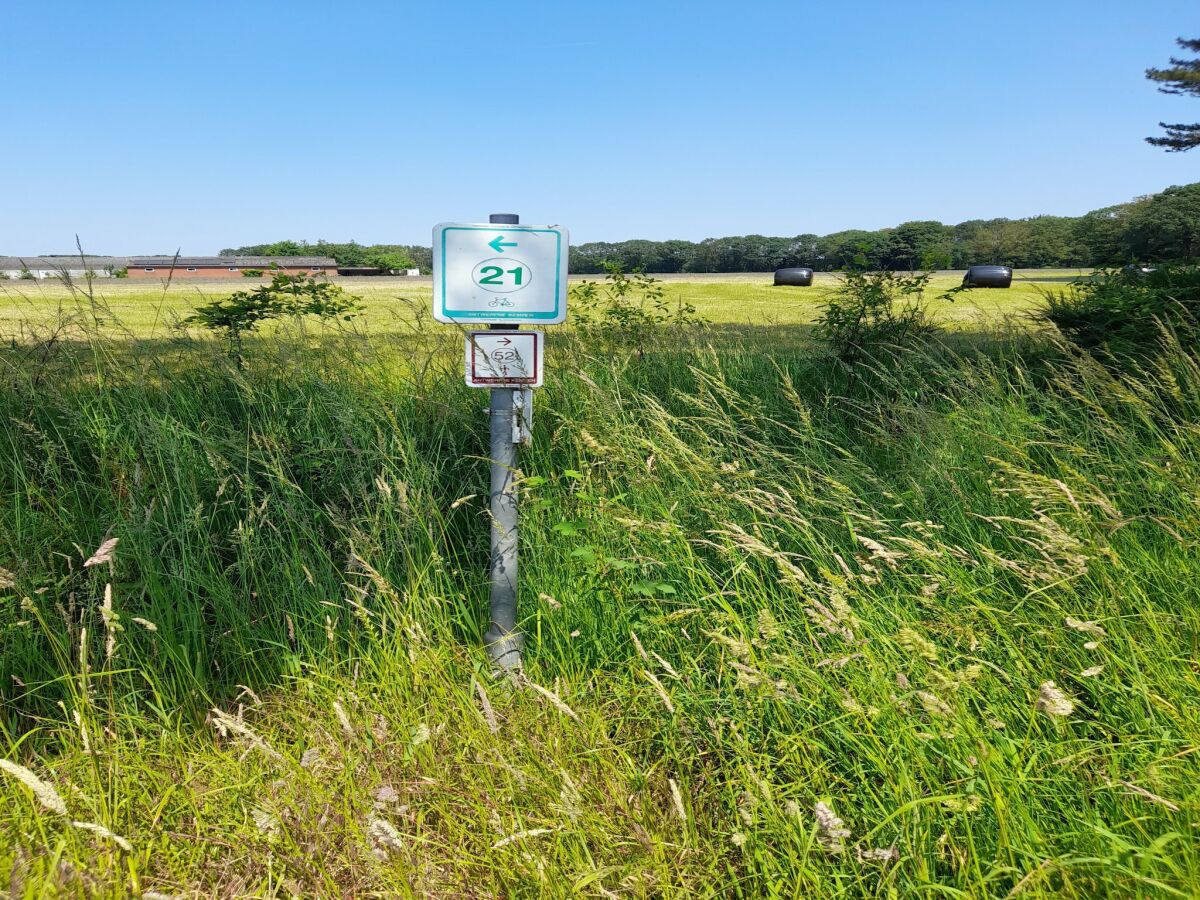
pixel 252 273
pixel 286 295
pixel 627 309
pixel 874 309
pixel 393 262
pixel 1123 312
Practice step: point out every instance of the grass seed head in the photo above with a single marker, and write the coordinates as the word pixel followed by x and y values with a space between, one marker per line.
pixel 677 801
pixel 265 821
pixel 831 830
pixel 44 793
pixel 385 839
pixel 103 554
pixel 1086 627
pixel 878 854
pixel 1054 702
pixel 343 719
pixel 917 644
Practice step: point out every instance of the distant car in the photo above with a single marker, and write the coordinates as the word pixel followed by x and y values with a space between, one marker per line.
pixel 988 277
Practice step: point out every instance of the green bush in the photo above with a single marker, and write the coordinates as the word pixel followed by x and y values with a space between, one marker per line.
pixel 1124 311
pixel 627 309
pixel 874 309
pixel 252 273
pixel 286 295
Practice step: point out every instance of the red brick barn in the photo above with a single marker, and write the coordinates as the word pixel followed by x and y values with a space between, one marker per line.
pixel 176 268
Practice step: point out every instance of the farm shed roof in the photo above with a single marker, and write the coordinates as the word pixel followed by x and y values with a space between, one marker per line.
pixel 61 262
pixel 227 261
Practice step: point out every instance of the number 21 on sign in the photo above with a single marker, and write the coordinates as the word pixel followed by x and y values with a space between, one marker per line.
pixel 501 276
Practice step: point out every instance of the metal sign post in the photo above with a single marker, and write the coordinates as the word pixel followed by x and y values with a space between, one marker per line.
pixel 502 274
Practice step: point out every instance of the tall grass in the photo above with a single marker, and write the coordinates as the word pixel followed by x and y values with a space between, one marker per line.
pixel 924 625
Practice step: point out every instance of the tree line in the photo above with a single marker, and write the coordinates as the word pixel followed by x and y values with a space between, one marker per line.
pixel 349 254
pixel 1157 228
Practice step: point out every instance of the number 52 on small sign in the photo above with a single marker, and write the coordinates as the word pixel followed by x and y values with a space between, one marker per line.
pixel 504 359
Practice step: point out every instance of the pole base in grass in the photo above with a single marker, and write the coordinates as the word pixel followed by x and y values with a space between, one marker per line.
pixel 504 649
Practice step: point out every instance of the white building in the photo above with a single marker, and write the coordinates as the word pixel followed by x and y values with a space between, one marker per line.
pixel 76 267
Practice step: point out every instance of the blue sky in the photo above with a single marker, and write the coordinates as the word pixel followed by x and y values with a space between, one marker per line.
pixel 147 127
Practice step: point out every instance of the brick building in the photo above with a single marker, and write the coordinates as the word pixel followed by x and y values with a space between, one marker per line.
pixel 228 266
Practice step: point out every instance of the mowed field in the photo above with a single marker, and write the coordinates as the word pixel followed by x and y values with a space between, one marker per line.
pixel 153 308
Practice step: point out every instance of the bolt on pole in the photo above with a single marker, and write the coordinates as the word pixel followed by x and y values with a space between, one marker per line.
pixel 502 640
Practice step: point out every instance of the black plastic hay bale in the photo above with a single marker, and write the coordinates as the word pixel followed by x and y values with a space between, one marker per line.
pixel 796 276
pixel 988 277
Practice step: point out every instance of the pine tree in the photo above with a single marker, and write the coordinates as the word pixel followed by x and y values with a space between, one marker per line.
pixel 1182 78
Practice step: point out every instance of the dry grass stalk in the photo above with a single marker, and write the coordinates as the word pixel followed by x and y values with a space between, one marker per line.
pixel 662 691
pixel 489 714
pixel 112 623
pixel 1153 798
pixel 555 700
pixel 667 667
pixel 101 831
pixel 638 646
pixel 227 725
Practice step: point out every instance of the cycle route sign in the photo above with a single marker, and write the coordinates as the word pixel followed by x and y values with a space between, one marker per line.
pixel 503 274
pixel 499 358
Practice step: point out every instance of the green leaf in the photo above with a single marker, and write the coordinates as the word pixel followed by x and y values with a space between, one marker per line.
pixel 587 554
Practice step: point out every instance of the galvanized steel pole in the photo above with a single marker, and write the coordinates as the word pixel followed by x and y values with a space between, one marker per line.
pixel 502 640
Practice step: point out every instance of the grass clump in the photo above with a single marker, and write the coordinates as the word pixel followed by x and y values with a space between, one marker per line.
pixel 923 625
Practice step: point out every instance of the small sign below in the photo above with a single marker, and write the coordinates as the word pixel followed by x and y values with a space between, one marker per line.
pixel 504 359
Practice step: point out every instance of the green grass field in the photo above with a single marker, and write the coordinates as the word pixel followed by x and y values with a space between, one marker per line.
pixel 149 308
pixel 923 626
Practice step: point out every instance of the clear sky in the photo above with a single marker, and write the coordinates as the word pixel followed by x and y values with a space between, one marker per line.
pixel 147 127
